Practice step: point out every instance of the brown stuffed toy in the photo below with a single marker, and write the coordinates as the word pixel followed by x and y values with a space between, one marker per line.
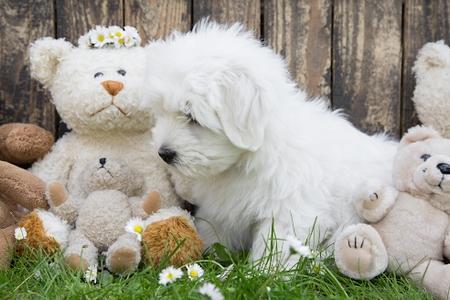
pixel 20 144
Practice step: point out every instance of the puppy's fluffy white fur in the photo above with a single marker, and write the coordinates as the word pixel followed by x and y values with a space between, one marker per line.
pixel 258 152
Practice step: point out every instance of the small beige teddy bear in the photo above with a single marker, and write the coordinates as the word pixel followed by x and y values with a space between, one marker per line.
pixel 111 198
pixel 410 223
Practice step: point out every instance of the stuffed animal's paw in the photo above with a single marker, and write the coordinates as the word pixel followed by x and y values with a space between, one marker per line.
pixel 360 252
pixel 24 143
pixel 56 194
pixel 373 200
pixel 42 230
pixel 152 203
pixel 171 238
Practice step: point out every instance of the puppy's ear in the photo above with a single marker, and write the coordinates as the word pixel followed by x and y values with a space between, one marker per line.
pixel 242 111
pixel 417 134
pixel 45 55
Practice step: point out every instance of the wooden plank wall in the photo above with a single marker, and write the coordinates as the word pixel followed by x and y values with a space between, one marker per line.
pixel 358 53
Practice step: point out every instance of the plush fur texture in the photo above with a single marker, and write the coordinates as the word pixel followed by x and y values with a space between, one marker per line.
pixel 44 230
pixel 256 150
pixel 432 93
pixel 162 237
pixel 23 143
pixel 410 223
pixel 97 93
pixel 113 196
pixel 6 246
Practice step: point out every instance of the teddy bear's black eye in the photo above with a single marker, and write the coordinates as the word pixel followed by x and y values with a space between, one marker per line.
pixel 425 157
pixel 122 72
pixel 98 74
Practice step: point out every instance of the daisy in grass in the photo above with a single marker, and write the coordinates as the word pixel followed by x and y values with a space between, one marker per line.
pixel 296 246
pixel 20 233
pixel 194 271
pixel 135 226
pixel 169 275
pixel 99 36
pixel 91 274
pixel 211 291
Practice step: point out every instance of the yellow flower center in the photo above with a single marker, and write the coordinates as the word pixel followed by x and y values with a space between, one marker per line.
pixel 138 228
pixel 118 34
pixel 170 276
pixel 193 273
pixel 101 37
pixel 121 41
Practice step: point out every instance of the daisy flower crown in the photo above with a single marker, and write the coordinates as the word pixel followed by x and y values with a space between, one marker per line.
pixel 110 37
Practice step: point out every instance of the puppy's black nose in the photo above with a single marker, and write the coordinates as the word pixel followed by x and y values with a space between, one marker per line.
pixel 102 161
pixel 444 168
pixel 167 155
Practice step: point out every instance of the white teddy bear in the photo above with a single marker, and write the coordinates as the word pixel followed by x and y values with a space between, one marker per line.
pixel 96 88
pixel 432 93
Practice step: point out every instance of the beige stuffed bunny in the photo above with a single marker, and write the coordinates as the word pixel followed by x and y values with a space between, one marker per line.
pixel 410 223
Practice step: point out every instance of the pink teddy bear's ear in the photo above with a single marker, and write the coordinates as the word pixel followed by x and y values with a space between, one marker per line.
pixel 419 133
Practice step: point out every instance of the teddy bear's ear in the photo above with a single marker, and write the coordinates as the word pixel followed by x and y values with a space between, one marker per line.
pixel 45 55
pixel 432 55
pixel 419 133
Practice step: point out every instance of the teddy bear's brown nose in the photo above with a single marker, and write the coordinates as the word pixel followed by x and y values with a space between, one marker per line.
pixel 112 87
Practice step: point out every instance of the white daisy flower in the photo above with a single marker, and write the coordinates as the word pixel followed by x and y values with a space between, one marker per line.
pixel 135 226
pixel 169 275
pixel 84 41
pixel 211 291
pixel 194 271
pixel 20 233
pixel 297 246
pixel 129 41
pixel 133 34
pixel 91 274
pixel 117 35
pixel 99 36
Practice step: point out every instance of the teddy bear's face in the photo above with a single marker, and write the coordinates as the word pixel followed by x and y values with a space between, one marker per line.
pixel 432 93
pixel 94 90
pixel 423 166
pixel 109 174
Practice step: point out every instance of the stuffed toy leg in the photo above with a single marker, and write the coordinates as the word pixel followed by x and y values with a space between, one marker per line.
pixel 170 236
pixel 360 252
pixel 20 144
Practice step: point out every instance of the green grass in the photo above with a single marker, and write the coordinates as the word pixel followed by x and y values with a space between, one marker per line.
pixel 42 277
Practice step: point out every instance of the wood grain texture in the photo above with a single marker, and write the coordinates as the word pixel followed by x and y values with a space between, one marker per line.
pixel 424 21
pixel 300 30
pixel 156 18
pixel 367 62
pixel 247 12
pixel 76 17
pixel 23 99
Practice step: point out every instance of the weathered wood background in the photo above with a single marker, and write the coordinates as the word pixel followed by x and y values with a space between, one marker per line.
pixel 358 53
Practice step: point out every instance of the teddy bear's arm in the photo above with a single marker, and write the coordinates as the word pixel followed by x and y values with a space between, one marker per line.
pixel 61 203
pixel 447 242
pixel 56 165
pixel 143 207
pixel 376 204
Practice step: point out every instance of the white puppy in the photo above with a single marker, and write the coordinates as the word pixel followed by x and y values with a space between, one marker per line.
pixel 260 156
